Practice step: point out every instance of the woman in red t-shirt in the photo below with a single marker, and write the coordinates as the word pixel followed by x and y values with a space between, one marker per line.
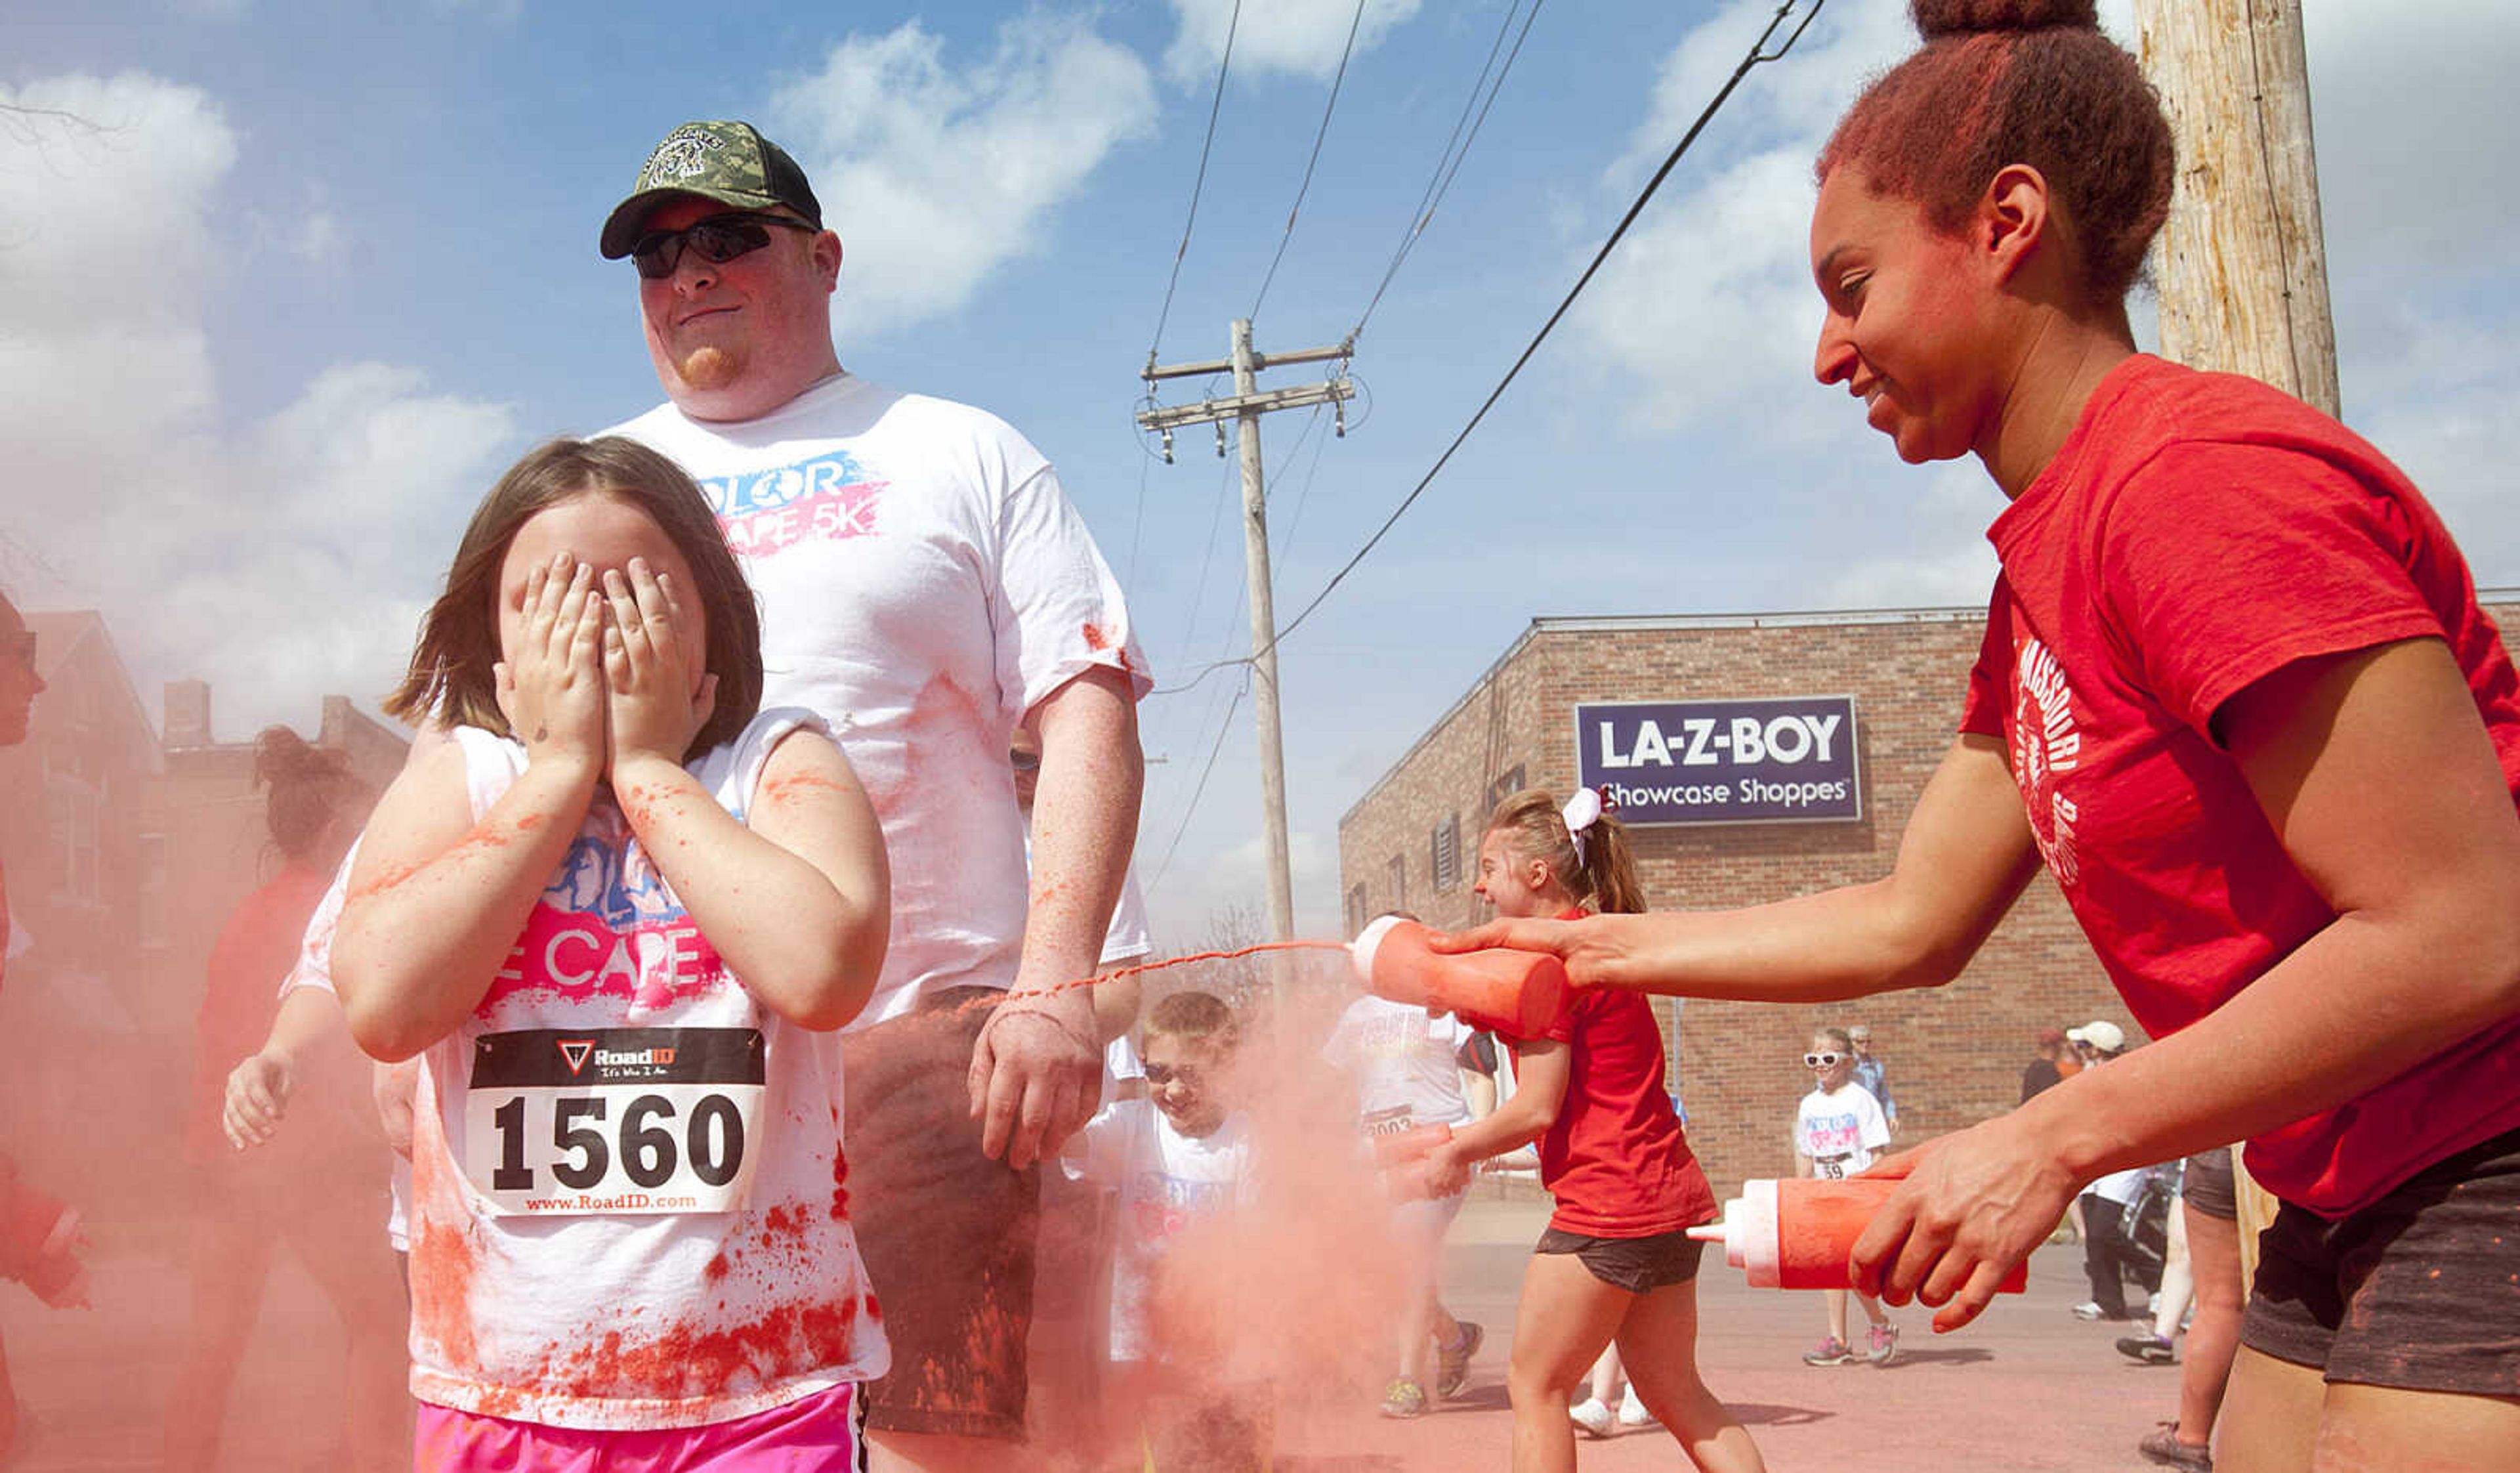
pixel 1616 1264
pixel 2237 694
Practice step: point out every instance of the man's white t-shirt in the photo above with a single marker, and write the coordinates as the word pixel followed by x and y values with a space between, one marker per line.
pixel 1405 1064
pixel 1839 1131
pixel 924 583
pixel 1168 1184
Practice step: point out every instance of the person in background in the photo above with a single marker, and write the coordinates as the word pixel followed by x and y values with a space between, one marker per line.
pixel 1837 1128
pixel 318 1185
pixel 1872 1074
pixel 1617 1265
pixel 1407 1066
pixel 2109 1257
pixel 34 1227
pixel 2208 1221
pixel 2044 1071
pixel 1179 1158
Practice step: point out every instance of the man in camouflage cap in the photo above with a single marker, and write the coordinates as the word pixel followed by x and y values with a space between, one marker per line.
pixel 927 586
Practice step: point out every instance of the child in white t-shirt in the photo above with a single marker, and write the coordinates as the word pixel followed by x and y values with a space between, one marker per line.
pixel 616 916
pixel 1179 1158
pixel 1837 1128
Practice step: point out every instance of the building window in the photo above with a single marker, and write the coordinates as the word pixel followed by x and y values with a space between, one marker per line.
pixel 153 890
pixel 1447 853
pixel 1507 783
pixel 1355 911
pixel 1398 882
pixel 74 839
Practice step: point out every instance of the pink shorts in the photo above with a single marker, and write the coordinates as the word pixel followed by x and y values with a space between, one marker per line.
pixel 818 1434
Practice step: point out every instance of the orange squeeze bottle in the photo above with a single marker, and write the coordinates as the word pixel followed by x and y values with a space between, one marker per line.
pixel 1516 993
pixel 1796 1233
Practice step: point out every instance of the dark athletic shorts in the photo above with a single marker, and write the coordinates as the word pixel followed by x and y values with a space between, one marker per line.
pixel 2209 1188
pixel 1639 1265
pixel 947 1234
pixel 2414 1291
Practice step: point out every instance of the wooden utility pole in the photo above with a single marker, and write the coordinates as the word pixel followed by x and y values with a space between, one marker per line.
pixel 2243 268
pixel 2243 265
pixel 1246 407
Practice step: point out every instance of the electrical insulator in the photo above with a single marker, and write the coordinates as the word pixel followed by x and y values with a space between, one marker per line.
pixel 1220 439
pixel 1339 419
pixel 1168 447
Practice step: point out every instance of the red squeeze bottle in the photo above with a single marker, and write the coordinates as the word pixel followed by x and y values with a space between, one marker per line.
pixel 1402 1158
pixel 1516 993
pixel 1402 1147
pixel 1796 1233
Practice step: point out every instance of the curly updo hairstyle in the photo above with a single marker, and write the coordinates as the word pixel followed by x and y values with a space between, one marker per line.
pixel 2019 82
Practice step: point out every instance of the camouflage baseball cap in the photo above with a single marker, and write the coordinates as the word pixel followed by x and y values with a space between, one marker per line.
pixel 730 162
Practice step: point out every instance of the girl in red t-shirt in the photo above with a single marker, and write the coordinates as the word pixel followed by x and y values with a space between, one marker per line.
pixel 2237 694
pixel 1616 1264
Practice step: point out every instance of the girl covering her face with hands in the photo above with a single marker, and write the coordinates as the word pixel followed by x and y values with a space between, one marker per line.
pixel 615 918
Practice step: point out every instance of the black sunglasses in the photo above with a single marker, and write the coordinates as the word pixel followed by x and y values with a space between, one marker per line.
pixel 719 238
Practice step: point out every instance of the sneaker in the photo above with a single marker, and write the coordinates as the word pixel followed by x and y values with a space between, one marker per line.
pixel 1829 1352
pixel 1453 1362
pixel 2162 1445
pixel 2148 1347
pixel 1591 1416
pixel 2089 1308
pixel 1404 1399
pixel 1882 1344
pixel 1633 1412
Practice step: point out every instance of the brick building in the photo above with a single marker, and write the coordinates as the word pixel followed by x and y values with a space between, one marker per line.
pixel 1955 1053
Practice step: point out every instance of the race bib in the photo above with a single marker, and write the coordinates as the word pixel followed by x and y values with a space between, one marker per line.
pixel 614 1121
pixel 1392 1122
pixel 1829 1168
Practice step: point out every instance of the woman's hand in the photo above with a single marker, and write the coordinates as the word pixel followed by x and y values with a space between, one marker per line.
pixel 257 1096
pixel 1593 948
pixel 1447 1171
pixel 1975 1203
pixel 552 692
pixel 654 708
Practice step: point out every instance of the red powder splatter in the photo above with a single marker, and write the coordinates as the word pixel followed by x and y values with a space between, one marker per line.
pixel 1095 637
pixel 786 1341
pixel 716 1269
pixel 839 1184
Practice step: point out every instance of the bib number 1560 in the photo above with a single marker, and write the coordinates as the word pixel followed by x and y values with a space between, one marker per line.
pixel 649 1152
pixel 658 1119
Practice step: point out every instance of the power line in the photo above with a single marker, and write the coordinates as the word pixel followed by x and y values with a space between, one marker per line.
pixel 1448 162
pixel 1224 728
pixel 1757 54
pixel 1223 65
pixel 1305 187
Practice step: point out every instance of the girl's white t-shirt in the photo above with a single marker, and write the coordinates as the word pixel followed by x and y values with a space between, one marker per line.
pixel 1840 1131
pixel 630 1203
pixel 1405 1064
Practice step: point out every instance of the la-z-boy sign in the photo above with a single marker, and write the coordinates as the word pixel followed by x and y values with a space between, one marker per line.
pixel 1723 761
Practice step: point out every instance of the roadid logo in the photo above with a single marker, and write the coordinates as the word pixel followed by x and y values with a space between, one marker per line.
pixel 573 1052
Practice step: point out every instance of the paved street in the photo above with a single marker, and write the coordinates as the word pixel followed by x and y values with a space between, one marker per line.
pixel 2029 1387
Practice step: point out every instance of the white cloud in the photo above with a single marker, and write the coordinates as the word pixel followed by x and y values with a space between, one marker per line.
pixel 936 176
pixel 1300 37
pixel 281 562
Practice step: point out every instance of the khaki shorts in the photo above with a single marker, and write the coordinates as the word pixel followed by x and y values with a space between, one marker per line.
pixel 947 1234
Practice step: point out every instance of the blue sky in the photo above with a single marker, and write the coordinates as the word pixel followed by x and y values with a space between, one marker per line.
pixel 308 276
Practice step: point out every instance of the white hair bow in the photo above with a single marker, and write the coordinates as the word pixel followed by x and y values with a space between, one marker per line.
pixel 1581 812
